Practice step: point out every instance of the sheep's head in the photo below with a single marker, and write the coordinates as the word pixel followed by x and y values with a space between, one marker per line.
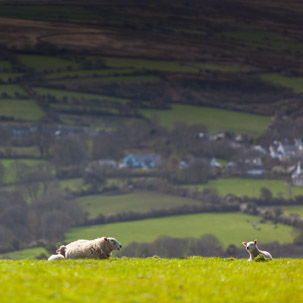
pixel 250 246
pixel 114 244
pixel 61 250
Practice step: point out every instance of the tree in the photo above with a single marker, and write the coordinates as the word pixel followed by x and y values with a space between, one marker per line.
pixel 70 150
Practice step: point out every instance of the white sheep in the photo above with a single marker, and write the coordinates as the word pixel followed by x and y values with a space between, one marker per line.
pixel 100 248
pixel 254 251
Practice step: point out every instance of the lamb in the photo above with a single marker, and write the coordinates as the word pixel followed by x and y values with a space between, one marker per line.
pixel 60 254
pixel 254 251
pixel 100 248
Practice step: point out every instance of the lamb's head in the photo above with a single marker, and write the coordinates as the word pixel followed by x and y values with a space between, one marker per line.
pixel 113 243
pixel 250 246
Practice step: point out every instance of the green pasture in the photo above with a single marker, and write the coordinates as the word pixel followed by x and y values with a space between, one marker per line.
pixel 74 184
pixel 89 73
pixel 262 39
pixel 25 151
pixel 116 79
pixel 20 109
pixel 5 66
pixel 42 63
pixel 60 94
pixel 190 280
pixel 221 67
pixel 288 210
pixel 159 65
pixel 250 187
pixel 294 83
pixel 137 202
pixel 9 77
pixel 30 253
pixel 11 90
pixel 229 228
pixel 10 164
pixel 214 119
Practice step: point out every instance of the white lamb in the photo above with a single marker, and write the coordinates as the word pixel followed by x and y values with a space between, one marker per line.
pixel 254 251
pixel 100 248
pixel 60 254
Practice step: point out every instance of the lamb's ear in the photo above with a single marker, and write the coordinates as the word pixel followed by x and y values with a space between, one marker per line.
pixel 105 239
pixel 244 243
pixel 255 242
pixel 58 251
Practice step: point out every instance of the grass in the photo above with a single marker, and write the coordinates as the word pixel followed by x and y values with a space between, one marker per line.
pixel 250 187
pixel 60 93
pixel 5 66
pixel 159 65
pixel 47 63
pixel 71 184
pixel 214 119
pixel 11 90
pixel 194 279
pixel 229 228
pixel 10 174
pixel 288 210
pixel 7 77
pixel 296 84
pixel 89 73
pixel 21 109
pixel 30 253
pixel 222 67
pixel 139 202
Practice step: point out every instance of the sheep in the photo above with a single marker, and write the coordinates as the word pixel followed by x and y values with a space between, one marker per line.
pixel 254 251
pixel 100 248
pixel 60 254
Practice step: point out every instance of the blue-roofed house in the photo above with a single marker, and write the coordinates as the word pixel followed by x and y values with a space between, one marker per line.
pixel 144 161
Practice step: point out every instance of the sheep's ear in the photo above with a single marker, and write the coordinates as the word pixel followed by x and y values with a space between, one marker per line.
pixel 57 251
pixel 255 242
pixel 244 243
pixel 105 239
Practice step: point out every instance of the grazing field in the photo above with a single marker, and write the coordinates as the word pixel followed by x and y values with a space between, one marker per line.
pixel 5 65
pixel 47 63
pixel 59 93
pixel 138 202
pixel 9 77
pixel 250 187
pixel 193 279
pixel 30 253
pixel 20 109
pixel 288 210
pixel 294 83
pixel 11 90
pixel 214 119
pixel 229 228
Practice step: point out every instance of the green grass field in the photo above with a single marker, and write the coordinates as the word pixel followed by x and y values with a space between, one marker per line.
pixel 47 63
pixel 5 66
pixel 214 119
pixel 229 228
pixel 59 93
pixel 250 187
pixel 89 73
pixel 190 280
pixel 294 83
pixel 288 210
pixel 7 77
pixel 20 109
pixel 138 202
pixel 30 253
pixel 10 90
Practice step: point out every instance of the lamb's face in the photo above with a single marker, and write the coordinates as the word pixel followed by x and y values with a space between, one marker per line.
pixel 250 246
pixel 114 244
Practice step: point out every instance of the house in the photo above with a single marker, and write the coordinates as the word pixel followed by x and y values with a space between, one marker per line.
pixel 297 175
pixel 254 167
pixel 144 161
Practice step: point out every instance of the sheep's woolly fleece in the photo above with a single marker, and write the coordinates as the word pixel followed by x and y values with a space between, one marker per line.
pixel 100 248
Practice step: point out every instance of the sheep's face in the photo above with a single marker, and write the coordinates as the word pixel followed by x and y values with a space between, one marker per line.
pixel 114 244
pixel 250 246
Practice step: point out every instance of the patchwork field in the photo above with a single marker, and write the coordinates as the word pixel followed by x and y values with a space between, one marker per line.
pixel 138 202
pixel 21 109
pixel 188 280
pixel 214 119
pixel 229 228
pixel 250 187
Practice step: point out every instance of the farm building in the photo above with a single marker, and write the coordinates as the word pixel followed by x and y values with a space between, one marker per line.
pixel 297 176
pixel 144 161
